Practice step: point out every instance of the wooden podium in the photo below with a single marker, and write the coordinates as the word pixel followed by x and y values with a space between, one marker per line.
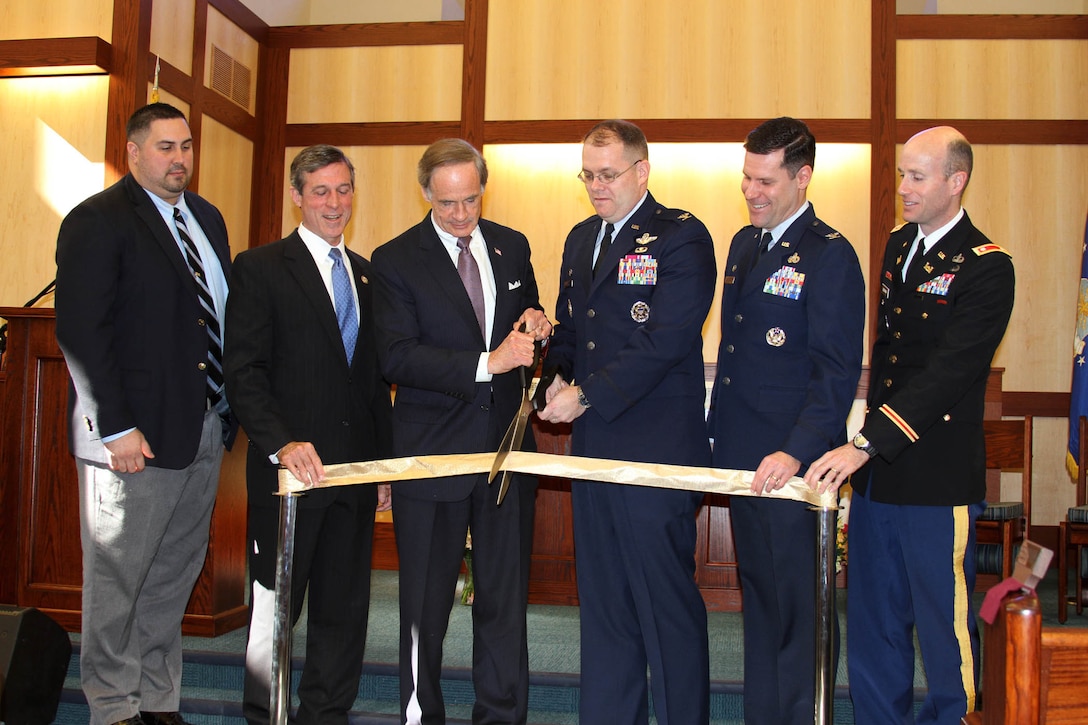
pixel 40 555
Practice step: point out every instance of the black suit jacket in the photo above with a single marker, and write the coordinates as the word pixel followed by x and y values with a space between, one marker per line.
pixel 429 343
pixel 130 324
pixel 287 376
pixel 937 335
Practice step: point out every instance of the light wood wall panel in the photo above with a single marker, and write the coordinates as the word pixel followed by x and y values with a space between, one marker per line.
pixel 533 189
pixel 56 162
pixel 1016 79
pixel 226 168
pixel 56 19
pixel 239 45
pixel 558 59
pixel 387 195
pixel 375 84
pixel 172 26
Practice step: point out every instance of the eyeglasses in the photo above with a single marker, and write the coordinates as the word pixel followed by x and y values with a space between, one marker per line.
pixel 605 177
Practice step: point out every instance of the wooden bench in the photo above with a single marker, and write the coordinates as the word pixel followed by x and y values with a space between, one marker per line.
pixel 1032 675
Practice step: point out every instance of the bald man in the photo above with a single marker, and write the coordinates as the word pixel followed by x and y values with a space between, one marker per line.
pixel 946 294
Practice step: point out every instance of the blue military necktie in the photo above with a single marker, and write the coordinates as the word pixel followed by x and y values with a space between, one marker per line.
pixel 344 302
pixel 211 321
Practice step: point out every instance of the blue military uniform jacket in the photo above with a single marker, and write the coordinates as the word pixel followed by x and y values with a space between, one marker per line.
pixel 792 337
pixel 936 337
pixel 632 337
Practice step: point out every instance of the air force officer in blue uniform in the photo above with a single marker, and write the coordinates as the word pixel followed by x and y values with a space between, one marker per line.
pixel 629 349
pixel 793 317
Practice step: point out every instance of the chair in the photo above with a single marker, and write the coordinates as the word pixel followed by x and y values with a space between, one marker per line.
pixel 1073 532
pixel 1031 675
pixel 1005 524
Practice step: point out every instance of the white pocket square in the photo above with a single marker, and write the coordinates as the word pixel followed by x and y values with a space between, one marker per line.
pixel 514 285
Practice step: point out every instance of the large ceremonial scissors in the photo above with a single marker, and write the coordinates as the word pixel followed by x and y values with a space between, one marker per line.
pixel 516 432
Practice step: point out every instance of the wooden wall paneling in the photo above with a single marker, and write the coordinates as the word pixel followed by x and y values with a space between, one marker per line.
pixel 368 34
pixel 172 33
pixel 54 56
pixel 239 45
pixel 672 130
pixel 397 133
pixel 1002 131
pixel 563 59
pixel 132 34
pixel 882 117
pixel 56 163
pixel 243 17
pixel 474 73
pixel 396 83
pixel 226 160
pixel 956 79
pixel 993 27
pixel 57 19
pixel 268 159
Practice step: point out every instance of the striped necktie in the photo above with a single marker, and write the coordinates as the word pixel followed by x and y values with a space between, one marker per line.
pixel 210 321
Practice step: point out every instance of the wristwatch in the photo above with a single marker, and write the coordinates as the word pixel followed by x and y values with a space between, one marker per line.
pixel 582 398
pixel 862 444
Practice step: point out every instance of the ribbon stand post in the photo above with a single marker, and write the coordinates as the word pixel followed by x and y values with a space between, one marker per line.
pixel 825 611
pixel 281 627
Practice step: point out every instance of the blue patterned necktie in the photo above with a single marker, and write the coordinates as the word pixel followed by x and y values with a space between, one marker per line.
pixel 211 322
pixel 344 302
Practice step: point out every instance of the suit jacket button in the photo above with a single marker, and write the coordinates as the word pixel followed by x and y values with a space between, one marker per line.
pixel 591 313
pixel 726 381
pixel 200 321
pixel 591 345
pixel 202 366
pixel 484 408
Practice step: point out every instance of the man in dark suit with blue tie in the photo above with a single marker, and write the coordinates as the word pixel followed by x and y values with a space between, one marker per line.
pixel 452 292
pixel 628 345
pixel 302 365
pixel 142 274
pixel 793 316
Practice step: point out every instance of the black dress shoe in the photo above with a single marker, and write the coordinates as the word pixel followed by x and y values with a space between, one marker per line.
pixel 162 718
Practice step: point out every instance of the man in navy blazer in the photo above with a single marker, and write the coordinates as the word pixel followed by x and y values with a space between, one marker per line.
pixel 793 319
pixel 302 365
pixel 139 306
pixel 452 292
pixel 628 344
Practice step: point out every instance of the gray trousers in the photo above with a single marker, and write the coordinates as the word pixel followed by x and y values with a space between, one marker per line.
pixel 144 537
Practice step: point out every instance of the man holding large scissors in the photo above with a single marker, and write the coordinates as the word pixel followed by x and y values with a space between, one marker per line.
pixel 451 293
pixel 636 284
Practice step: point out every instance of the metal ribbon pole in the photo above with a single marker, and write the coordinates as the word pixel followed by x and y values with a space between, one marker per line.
pixel 281 628
pixel 825 593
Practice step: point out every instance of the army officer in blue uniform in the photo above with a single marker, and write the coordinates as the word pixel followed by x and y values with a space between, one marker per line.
pixel 793 317
pixel 628 345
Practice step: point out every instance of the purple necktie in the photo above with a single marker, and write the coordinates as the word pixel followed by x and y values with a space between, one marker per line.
pixel 469 272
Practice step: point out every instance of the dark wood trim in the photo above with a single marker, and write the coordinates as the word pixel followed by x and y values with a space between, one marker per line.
pixel 127 88
pixel 230 114
pixel 401 133
pixel 196 106
pixel 992 27
pixel 171 79
pixel 54 56
pixel 670 130
pixel 1003 131
pixel 440 32
pixel 882 122
pixel 474 72
pixel 243 17
pixel 1018 404
pixel 266 202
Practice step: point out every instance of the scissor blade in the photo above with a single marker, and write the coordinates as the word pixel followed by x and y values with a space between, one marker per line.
pixel 504 448
pixel 520 423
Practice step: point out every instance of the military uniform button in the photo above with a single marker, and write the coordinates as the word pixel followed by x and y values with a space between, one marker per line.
pixel 893 359
pixel 898 310
pixel 202 366
pixel 591 313
pixel 887 382
pixel 738 318
pixel 726 381
pixel 897 334
pixel 591 345
pixel 729 348
pixel 947 417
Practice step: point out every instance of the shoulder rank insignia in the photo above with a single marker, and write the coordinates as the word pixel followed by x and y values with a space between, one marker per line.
pixel 684 217
pixel 987 248
pixel 897 227
pixel 833 235
pixel 645 239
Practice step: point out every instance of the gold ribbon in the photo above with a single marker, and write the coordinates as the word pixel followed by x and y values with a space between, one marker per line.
pixel 658 475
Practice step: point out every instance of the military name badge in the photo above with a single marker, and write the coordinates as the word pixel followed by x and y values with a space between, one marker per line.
pixel 776 337
pixel 640 311
pixel 638 269
pixel 937 285
pixel 786 282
